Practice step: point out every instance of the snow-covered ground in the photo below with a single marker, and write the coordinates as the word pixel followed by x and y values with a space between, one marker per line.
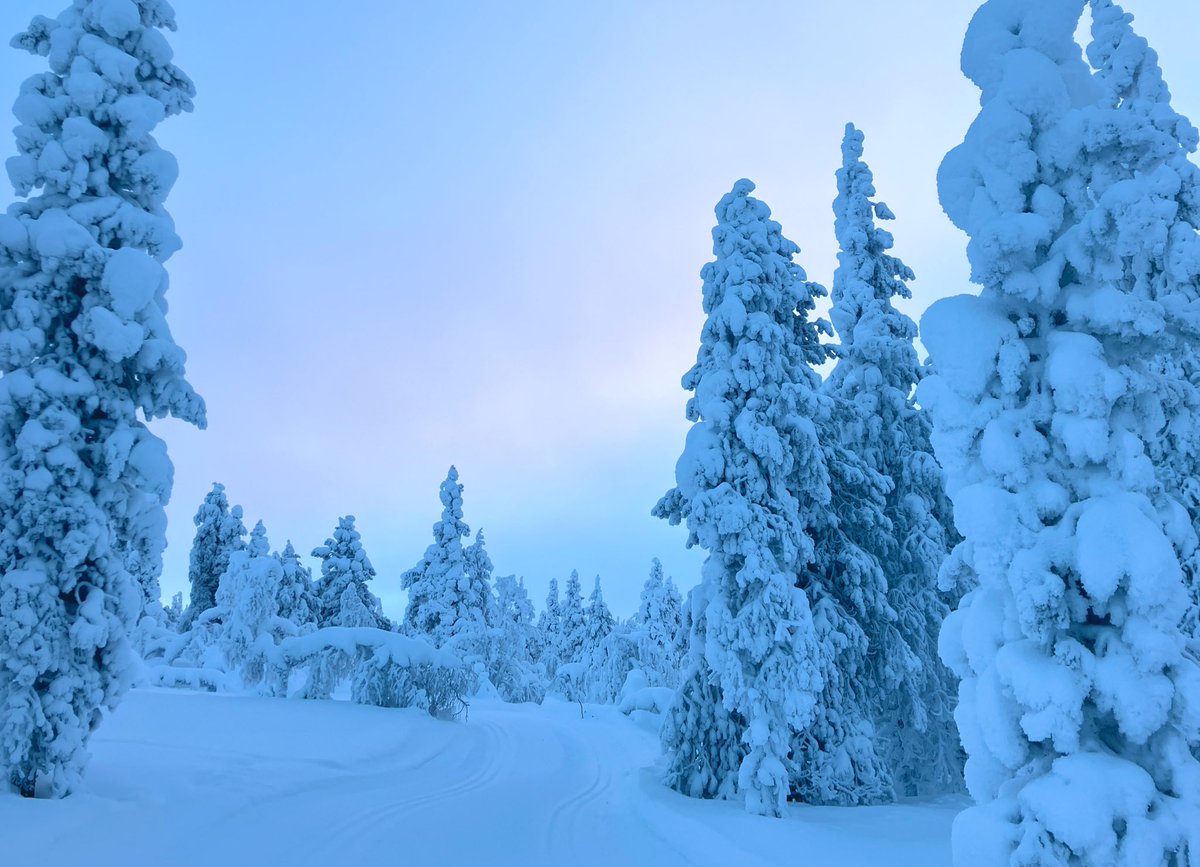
pixel 181 778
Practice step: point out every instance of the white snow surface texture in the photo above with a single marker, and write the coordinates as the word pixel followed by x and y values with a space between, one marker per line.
pixel 1080 696
pixel 303 783
pixel 85 356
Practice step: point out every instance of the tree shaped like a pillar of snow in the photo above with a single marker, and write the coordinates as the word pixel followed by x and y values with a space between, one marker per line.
pixel 750 484
pixel 86 357
pixel 1079 702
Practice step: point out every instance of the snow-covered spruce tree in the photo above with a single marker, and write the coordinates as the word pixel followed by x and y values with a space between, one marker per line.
pixel 751 483
pixel 174 613
pixel 219 532
pixel 598 619
pixel 875 378
pixel 352 610
pixel 511 667
pixel 442 602
pixel 1079 704
pixel 549 631
pixel 245 620
pixel 344 564
pixel 1137 103
pixel 85 357
pixel 480 600
pixel 835 757
pixel 296 599
pixel 573 626
pixel 614 661
pixel 659 628
pixel 598 626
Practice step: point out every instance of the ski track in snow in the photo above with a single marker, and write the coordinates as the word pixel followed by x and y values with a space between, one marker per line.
pixel 183 779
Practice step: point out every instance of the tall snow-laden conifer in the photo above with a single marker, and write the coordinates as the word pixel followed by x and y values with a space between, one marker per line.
pixel 550 631
pixel 659 628
pixel 1079 705
pixel 443 601
pixel 480 601
pixel 344 564
pixel 1155 139
pixel 599 619
pixel 835 757
pixel 751 484
pixel 85 358
pixel 511 667
pixel 258 544
pixel 877 372
pixel 219 532
pixel 295 597
pixel 573 625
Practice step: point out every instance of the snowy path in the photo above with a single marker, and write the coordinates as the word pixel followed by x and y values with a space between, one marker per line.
pixel 184 780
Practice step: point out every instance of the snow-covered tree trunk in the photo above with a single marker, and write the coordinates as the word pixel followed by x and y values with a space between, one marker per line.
pixel 85 357
pixel 751 485
pixel 1079 705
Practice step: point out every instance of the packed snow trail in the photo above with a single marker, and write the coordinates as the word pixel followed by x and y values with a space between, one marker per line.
pixel 182 779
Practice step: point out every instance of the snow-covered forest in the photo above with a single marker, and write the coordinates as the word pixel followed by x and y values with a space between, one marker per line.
pixel 949 603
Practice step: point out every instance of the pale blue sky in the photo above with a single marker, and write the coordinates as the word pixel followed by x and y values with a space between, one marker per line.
pixel 417 234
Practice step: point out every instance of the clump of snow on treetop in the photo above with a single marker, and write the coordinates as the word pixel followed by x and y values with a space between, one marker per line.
pixel 85 356
pixel 1079 702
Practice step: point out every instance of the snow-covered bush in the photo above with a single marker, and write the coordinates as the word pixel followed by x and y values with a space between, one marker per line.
pixel 387 670
pixel 86 358
pixel 1079 705
pixel 570 682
